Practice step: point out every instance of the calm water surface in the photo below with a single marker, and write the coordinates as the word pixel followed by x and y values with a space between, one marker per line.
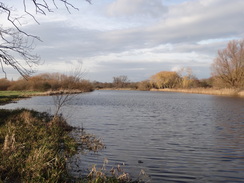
pixel 173 137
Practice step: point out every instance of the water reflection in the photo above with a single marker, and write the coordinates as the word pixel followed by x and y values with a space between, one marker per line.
pixel 177 137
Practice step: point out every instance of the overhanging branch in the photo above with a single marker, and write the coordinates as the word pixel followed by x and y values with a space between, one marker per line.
pixel 14 40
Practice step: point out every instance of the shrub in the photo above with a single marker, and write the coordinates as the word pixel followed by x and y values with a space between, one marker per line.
pixel 144 85
pixel 4 84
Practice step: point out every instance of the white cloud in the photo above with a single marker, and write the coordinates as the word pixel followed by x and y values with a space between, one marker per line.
pixel 121 36
pixel 176 68
pixel 153 8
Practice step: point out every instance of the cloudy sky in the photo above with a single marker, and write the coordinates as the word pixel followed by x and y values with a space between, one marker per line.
pixel 136 38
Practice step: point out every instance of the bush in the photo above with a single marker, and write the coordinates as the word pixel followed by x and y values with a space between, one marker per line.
pixel 4 84
pixel 144 85
pixel 19 85
pixel 46 82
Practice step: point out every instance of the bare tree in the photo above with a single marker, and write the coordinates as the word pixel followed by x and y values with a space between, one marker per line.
pixel 228 66
pixel 67 95
pixel 120 81
pixel 13 43
pixel 188 79
pixel 17 45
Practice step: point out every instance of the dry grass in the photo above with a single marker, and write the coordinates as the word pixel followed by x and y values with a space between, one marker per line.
pixel 208 91
pixel 116 89
pixel 62 92
pixel 116 174
pixel 30 147
pixel 91 142
pixel 34 147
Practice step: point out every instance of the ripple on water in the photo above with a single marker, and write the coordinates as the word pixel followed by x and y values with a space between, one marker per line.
pixel 175 137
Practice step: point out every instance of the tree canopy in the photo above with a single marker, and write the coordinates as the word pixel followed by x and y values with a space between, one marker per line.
pixel 165 79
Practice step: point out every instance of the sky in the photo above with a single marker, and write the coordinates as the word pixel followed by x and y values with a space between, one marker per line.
pixel 135 38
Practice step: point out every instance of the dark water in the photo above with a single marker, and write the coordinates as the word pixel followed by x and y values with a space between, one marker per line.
pixel 173 137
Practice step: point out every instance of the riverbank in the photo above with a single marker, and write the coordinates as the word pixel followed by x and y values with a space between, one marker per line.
pixel 208 91
pixel 11 96
pixel 34 147
pixel 116 89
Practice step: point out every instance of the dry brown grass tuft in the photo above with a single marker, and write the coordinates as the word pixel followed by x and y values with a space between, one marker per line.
pixel 91 142
pixel 31 149
pixel 9 142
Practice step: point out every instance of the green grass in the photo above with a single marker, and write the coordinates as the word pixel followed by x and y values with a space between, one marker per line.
pixel 18 93
pixel 10 96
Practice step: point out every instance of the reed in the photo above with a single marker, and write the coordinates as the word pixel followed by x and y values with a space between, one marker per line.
pixel 208 91
pixel 115 174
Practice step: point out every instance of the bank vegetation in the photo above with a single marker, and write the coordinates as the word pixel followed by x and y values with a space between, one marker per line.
pixel 36 147
pixel 47 82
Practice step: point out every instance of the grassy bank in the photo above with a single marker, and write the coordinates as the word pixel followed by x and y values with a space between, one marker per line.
pixel 208 91
pixel 10 96
pixel 19 93
pixel 34 147
pixel 116 89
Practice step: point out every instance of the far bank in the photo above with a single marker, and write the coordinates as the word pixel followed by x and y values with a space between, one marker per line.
pixel 208 91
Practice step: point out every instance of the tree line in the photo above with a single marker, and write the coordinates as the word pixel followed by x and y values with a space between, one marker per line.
pixel 47 82
pixel 163 79
pixel 227 72
pixel 17 44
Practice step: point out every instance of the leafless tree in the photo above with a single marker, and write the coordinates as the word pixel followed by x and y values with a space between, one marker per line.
pixel 228 66
pixel 65 96
pixel 17 45
pixel 120 81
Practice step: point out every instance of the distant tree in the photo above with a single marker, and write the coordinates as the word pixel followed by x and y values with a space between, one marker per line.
pixel 4 84
pixel 100 85
pixel 165 79
pixel 15 41
pixel 206 83
pixel 188 79
pixel 144 85
pixel 49 82
pixel 19 85
pixel 228 66
pixel 120 81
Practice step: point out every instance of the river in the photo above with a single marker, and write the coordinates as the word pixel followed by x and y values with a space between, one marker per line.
pixel 173 137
